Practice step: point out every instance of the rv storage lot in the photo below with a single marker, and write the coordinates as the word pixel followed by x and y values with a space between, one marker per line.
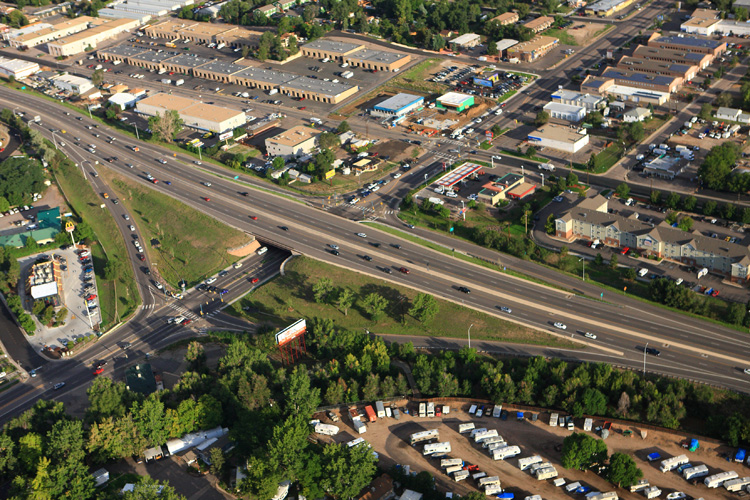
pixel 390 438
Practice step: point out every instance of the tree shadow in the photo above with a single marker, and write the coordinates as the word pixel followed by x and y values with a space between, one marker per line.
pixel 397 306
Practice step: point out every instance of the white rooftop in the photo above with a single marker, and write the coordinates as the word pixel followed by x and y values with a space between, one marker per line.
pixel 453 98
pixel 563 108
pixel 505 44
pixel 465 38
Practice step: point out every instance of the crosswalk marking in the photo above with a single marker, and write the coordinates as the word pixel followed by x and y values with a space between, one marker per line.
pixel 183 311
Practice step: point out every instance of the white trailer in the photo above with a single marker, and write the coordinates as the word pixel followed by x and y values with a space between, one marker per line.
pixel 472 409
pixel 640 485
pixel 429 449
pixel 355 442
pixel 489 481
pixel 446 410
pixel 430 410
pixel 460 476
pixel 380 409
pixel 422 410
pixel 492 440
pixel 572 487
pixel 672 463
pixel 587 424
pixel 609 495
pixel 525 463
pixel 418 437
pixel 360 427
pixel 480 436
pixel 326 429
pixel 546 473
pixel 478 475
pixel 464 428
pixel 541 465
pixel 718 479
pixel 553 420
pixel 497 410
pixel 695 472
pixel 494 446
pixel 494 489
pixel 505 452
pixel 450 462
pixel 652 492
pixel 736 484
pixel 546 166
pixel 474 432
pixel 453 469
pixel 533 497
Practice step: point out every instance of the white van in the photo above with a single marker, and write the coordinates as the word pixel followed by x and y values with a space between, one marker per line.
pixel 642 272
pixel 262 250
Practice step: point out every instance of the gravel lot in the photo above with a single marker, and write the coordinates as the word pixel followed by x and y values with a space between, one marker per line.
pixel 389 438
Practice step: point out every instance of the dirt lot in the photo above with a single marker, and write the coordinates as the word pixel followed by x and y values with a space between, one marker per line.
pixel 583 32
pixel 389 438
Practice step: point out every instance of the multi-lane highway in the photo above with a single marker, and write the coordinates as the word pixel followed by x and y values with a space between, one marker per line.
pixel 692 349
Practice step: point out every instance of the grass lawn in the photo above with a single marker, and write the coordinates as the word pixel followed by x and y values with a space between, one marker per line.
pixel 485 145
pixel 521 155
pixel 340 183
pixel 562 35
pixel 506 96
pixel 122 296
pixel 193 245
pixel 272 302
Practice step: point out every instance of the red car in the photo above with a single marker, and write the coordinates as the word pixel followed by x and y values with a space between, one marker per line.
pixel 206 198
pixel 91 297
pixel 302 108
pixel 404 270
pixel 254 280
pixel 253 217
pixel 471 468
pixel 99 370
pixel 715 293
pixel 624 250
pixel 141 257
pixel 186 322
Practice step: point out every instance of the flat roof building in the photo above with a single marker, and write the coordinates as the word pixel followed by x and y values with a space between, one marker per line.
pixel 50 32
pixel 71 83
pixel 318 90
pixel 605 8
pixel 607 87
pixel 195 114
pixel 685 71
pixel 79 42
pixel 512 185
pixel 504 44
pixel 453 101
pixel 559 137
pixel 540 23
pixel 506 19
pixel 687 43
pixel 673 56
pixel 296 141
pixel 322 49
pixel 466 41
pixel 700 26
pixel 264 79
pixel 567 112
pixel 532 50
pixel 397 105
pixel 588 101
pixel 377 59
pixel 661 83
pixel 665 167
pixel 18 68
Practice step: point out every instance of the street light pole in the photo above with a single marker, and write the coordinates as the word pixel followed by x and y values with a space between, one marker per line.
pixel 644 359
pixel 470 335
pixel 583 270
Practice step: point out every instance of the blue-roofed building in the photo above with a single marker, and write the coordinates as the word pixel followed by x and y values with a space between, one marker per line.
pixel 662 83
pixel 398 105
pixel 688 43
pixel 676 56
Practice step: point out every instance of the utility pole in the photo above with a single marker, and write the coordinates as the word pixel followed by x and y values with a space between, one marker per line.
pixel 470 335
pixel 644 359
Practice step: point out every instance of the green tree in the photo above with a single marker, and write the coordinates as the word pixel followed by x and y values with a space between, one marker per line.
pixel 374 304
pixel 724 100
pixel 322 290
pixel 424 307
pixel 623 190
pixel 151 489
pixel 4 204
pixel 166 126
pixel 623 471
pixel 717 166
pixel 686 224
pixel 655 197
pixel 581 451
pixel 302 398
pixel 629 274
pixel 346 470
pixel 549 226
pixel 106 399
pixel 288 442
pixel 542 117
pixel 343 127
pixel 613 262
pixel 217 461
pixel 705 112
pixel 709 207
pixel 328 140
pixel 97 77
pixel 345 300
pixel 673 200
pixel 278 163
pixel 689 203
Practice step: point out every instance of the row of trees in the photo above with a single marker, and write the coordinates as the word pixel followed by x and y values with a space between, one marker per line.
pixel 584 452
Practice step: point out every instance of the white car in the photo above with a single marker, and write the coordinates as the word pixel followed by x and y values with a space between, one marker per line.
pixel 561 326
pixel 397 175
pixel 362 235
pixel 589 335
pixel 207 184
pixel 131 227
pixel 506 310
pixel 210 280
pixel 197 162
pixel 747 371
pixel 334 246
pixel 237 265
pixel 451 194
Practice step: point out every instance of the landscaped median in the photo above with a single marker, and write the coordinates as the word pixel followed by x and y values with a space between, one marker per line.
pixel 345 297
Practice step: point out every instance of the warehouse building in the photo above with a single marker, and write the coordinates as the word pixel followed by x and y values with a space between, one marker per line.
pixel 27 38
pixel 195 114
pixel 606 8
pixel 184 63
pixel 590 220
pixel 264 79
pixel 607 87
pixel 661 83
pixel 17 68
pixel 466 41
pixel 74 84
pixel 503 46
pixel 230 35
pixel 329 49
pixel 377 60
pixel 540 23
pixel 559 137
pixel 296 141
pixel 700 26
pixel 398 105
pixel 318 90
pixel 90 38
pixel 713 48
pixel 150 59
pixel 673 56
pixel 573 98
pixel 567 112
pixel 537 47
pixel 506 19
pixel 218 71
pixel 453 101
pixel 684 71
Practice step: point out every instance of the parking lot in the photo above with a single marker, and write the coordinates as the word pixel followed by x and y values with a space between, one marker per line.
pixel 460 77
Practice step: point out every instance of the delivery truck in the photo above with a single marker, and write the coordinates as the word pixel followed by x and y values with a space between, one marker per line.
pixel 359 426
pixel 419 437
pixel 370 411
pixel 436 448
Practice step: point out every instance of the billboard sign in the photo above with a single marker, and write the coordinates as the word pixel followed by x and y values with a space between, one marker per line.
pixel 484 82
pixel 330 174
pixel 291 332
pixel 226 135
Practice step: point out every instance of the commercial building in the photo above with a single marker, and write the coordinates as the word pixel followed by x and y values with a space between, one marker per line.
pixel 506 19
pixel 230 35
pixel 453 101
pixel 532 50
pixel 195 114
pixel 540 23
pixel 143 9
pixel 640 80
pixel 17 68
pixel 566 112
pixel 673 56
pixel 509 186
pixel 590 220
pixel 124 100
pixel 44 282
pixel 503 46
pixel 398 105
pixel 607 87
pixel 636 115
pixel 587 101
pixel 377 60
pixel 665 167
pixel 605 8
pixel 687 43
pixel 466 41
pixel 560 138
pixel 732 28
pixel 296 141
pixel 318 90
pixel 329 49
pixel 27 38
pixel 685 71
pixel 74 84
pixel 702 22
pixel 90 38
